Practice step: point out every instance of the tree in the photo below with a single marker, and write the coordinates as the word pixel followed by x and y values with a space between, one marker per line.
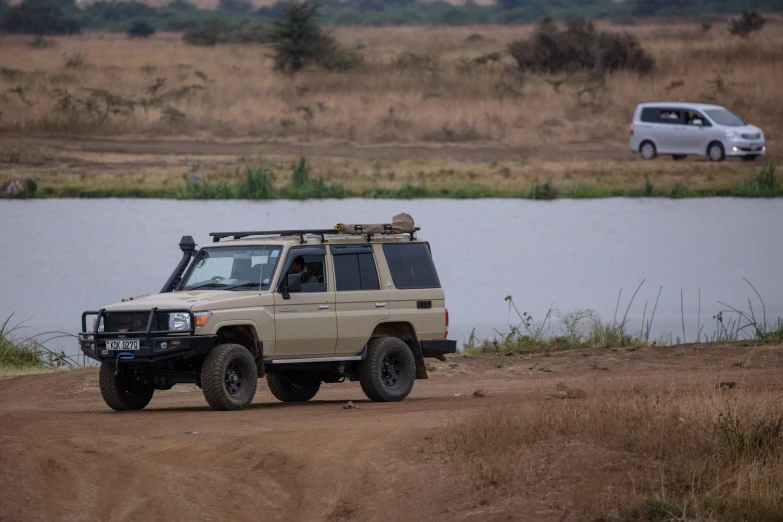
pixel 39 17
pixel 298 39
pixel 141 29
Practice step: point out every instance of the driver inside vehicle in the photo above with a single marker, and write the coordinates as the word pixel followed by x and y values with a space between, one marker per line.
pixel 298 266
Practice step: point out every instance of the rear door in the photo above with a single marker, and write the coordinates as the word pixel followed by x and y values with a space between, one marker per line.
pixel 306 322
pixel 670 131
pixel 361 302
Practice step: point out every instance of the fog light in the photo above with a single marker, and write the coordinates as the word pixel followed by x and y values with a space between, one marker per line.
pixel 764 148
pixel 734 149
pixel 164 345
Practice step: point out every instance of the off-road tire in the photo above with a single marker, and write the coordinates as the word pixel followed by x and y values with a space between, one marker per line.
pixel 647 150
pixel 124 392
pixel 378 383
pixel 229 377
pixel 295 389
pixel 715 151
pixel 679 157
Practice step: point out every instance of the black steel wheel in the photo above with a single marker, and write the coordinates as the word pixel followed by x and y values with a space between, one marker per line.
pixel 293 387
pixel 388 373
pixel 124 390
pixel 229 377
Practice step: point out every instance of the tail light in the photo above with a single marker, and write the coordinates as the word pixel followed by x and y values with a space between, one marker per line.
pixel 631 129
pixel 446 335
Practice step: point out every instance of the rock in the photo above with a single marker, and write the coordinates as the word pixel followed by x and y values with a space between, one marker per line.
pixel 18 188
pixel 350 406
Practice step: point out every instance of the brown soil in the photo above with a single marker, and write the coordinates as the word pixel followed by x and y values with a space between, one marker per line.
pixel 64 455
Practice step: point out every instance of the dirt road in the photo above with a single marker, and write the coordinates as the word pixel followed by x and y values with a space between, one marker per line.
pixel 461 152
pixel 65 456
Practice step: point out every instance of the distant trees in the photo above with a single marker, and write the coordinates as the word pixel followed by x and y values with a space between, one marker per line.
pixel 577 47
pixel 40 17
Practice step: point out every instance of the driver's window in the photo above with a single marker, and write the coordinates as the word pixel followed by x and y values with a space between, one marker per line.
pixel 311 270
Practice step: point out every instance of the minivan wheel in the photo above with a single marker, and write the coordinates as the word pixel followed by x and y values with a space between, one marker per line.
pixel 647 150
pixel 229 377
pixel 293 388
pixel 388 372
pixel 678 157
pixel 123 390
pixel 716 152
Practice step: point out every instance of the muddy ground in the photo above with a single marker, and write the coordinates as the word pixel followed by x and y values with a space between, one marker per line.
pixel 64 455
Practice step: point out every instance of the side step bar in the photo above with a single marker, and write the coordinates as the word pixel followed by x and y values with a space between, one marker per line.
pixel 362 356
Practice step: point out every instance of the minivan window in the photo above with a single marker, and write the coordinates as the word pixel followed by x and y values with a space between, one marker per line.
pixel 660 115
pixel 724 117
pixel 411 265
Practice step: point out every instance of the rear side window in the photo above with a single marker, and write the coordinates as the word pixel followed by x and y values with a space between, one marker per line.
pixel 661 115
pixel 411 265
pixel 355 272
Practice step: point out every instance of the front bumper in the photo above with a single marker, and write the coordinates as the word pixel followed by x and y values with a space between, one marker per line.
pixel 735 148
pixel 150 350
pixel 154 345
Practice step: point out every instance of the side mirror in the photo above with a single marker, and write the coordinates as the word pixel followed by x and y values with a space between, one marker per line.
pixel 697 121
pixel 293 284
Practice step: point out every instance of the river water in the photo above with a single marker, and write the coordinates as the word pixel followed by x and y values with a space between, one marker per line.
pixel 59 257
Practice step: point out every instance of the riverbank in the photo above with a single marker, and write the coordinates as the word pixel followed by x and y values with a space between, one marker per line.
pixel 128 168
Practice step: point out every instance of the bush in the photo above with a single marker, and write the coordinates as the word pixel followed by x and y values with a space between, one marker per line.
pixel 579 46
pixel 749 22
pixel 38 17
pixel 215 32
pixel 141 29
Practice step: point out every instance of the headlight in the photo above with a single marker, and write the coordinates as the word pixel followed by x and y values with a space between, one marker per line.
pixel 179 321
pixel 201 318
pixel 100 326
pixel 731 134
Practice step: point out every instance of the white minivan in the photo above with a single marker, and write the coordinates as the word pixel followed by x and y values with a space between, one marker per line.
pixel 683 129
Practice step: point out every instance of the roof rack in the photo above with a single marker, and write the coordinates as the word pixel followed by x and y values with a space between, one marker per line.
pixel 217 236
pixel 323 232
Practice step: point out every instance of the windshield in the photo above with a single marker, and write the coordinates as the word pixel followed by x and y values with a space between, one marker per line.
pixel 233 268
pixel 724 117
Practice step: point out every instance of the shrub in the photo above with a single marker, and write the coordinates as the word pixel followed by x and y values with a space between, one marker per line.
pixel 215 32
pixel 141 29
pixel 38 17
pixel 579 46
pixel 749 22
pixel 235 6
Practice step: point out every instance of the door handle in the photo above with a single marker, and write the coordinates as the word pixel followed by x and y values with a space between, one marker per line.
pixel 323 307
pixel 380 305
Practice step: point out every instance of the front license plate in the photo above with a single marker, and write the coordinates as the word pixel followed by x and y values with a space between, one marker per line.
pixel 122 344
pixel 754 146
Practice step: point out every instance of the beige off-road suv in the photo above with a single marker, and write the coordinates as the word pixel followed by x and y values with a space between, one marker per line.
pixel 301 307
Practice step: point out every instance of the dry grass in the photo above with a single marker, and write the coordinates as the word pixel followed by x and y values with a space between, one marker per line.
pixel 435 95
pixel 660 451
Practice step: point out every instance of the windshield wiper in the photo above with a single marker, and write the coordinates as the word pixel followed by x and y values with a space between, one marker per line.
pixel 205 285
pixel 242 285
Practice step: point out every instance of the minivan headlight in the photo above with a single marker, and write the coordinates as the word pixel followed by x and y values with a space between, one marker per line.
pixel 179 321
pixel 731 134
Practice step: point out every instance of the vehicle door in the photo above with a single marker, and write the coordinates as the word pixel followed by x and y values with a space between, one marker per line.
pixel 697 133
pixel 305 320
pixel 361 303
pixel 669 131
